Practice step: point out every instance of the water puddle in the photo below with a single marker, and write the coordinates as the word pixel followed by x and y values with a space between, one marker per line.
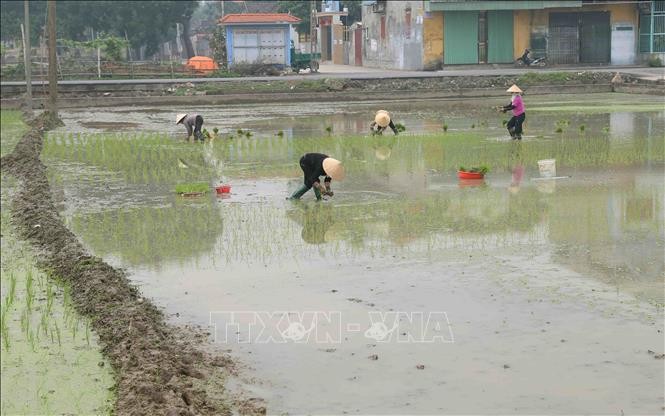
pixel 409 291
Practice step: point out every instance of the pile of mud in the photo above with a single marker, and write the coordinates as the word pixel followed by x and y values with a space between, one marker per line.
pixel 161 369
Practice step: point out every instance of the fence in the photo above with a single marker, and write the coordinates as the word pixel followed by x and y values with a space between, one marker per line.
pixel 93 69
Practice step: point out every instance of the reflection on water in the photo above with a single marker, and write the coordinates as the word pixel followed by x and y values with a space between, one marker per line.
pixel 614 230
pixel 402 196
pixel 525 267
pixel 419 116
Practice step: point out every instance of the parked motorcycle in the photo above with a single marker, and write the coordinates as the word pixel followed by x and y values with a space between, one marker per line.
pixel 526 60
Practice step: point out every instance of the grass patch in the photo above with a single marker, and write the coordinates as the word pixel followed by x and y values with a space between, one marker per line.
pixel 50 360
pixel 12 128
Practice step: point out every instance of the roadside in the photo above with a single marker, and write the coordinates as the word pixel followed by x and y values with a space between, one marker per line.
pixel 303 89
pixel 353 72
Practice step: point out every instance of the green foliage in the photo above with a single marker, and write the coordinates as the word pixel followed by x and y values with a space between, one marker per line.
pixel 218 45
pixel 146 23
pixel 476 169
pixel 112 46
pixel 400 127
pixel 542 77
pixel 654 61
pixel 300 9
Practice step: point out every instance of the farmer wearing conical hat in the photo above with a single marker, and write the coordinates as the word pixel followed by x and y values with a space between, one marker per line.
pixel 192 123
pixel 381 122
pixel 519 115
pixel 315 165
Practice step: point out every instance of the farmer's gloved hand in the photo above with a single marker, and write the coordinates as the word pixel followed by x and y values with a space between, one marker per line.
pixel 329 192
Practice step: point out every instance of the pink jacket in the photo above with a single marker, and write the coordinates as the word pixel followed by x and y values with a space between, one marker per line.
pixel 518 105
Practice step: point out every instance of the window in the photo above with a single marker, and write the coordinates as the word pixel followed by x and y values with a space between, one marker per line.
pixel 652 29
pixel 407 23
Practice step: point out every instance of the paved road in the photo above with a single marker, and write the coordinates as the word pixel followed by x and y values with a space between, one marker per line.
pixel 352 72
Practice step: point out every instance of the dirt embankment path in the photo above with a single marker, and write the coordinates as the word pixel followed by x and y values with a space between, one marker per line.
pixel 279 89
pixel 161 369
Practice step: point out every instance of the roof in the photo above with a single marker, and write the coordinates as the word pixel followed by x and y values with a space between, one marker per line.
pixel 265 18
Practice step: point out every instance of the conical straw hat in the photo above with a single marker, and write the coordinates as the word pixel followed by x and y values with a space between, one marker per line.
pixel 333 168
pixel 180 117
pixel 514 88
pixel 382 118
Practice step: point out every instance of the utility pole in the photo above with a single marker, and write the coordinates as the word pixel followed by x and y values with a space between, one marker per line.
pixel 52 63
pixel 27 57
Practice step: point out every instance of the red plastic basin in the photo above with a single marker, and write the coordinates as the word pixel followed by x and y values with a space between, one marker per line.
pixel 469 175
pixel 223 189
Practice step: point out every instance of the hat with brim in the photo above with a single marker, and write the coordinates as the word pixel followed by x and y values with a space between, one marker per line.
pixel 514 88
pixel 382 118
pixel 179 118
pixel 333 168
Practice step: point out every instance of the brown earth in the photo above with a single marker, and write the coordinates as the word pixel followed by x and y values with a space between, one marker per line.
pixel 160 368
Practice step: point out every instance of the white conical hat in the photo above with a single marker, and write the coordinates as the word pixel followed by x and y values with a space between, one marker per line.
pixel 514 88
pixel 382 118
pixel 180 117
pixel 333 168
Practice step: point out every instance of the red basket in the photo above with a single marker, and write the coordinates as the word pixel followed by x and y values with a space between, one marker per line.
pixel 470 175
pixel 223 189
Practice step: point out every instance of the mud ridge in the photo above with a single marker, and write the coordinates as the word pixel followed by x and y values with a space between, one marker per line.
pixel 160 368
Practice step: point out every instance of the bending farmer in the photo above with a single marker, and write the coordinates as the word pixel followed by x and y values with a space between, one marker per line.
pixel 192 123
pixel 519 115
pixel 315 165
pixel 381 122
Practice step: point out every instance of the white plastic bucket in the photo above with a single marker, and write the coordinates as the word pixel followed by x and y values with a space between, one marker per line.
pixel 547 168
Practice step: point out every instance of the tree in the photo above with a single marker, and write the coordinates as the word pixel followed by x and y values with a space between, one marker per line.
pixel 355 11
pixel 27 56
pixel 218 45
pixel 187 9
pixel 52 63
pixel 300 9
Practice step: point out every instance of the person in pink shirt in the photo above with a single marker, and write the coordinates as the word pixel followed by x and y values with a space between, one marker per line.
pixel 519 115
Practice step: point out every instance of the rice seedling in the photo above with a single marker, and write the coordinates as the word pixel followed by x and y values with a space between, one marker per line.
pixel 4 327
pixel 400 127
pixel 87 332
pixel 582 128
pixel 329 129
pixel 29 289
pixel 280 133
pixel 192 188
pixel 445 127
pixel 57 333
pixel 12 289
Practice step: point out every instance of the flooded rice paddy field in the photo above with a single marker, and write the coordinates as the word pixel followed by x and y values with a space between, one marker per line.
pixel 512 295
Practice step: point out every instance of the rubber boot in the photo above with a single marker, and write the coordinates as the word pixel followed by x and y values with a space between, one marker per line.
pixel 318 194
pixel 300 192
pixel 511 130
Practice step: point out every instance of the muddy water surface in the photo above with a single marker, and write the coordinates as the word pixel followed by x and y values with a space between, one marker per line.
pixel 409 291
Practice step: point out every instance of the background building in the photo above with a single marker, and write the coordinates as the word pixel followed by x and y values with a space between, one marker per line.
pixel 258 38
pixel 415 35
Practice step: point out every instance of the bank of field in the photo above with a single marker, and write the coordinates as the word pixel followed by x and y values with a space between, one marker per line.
pixel 50 360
